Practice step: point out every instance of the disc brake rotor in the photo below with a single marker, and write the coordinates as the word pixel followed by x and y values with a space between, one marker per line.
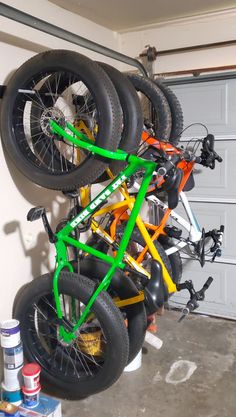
pixel 49 114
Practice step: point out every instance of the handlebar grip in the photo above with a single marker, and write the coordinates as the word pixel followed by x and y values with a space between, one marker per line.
pixel 207 284
pixel 218 158
pixel 222 228
pixel 211 140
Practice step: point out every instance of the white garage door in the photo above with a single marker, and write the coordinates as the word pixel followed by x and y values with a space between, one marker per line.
pixel 214 196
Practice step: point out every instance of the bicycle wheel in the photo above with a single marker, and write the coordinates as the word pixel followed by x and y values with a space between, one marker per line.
pixel 66 87
pixel 93 361
pixel 155 107
pixel 132 115
pixel 176 112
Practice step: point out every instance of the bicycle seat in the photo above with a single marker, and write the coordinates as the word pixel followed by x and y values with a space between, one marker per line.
pixel 171 186
pixel 155 291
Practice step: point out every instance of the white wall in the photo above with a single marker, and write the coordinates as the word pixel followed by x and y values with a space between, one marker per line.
pixel 214 27
pixel 23 246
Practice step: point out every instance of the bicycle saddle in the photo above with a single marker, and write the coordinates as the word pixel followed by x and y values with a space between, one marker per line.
pixel 155 291
pixel 171 187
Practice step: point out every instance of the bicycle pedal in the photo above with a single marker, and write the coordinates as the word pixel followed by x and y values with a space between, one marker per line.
pixel 35 213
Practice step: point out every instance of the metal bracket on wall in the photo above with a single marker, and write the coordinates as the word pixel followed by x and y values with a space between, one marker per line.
pixel 43 26
pixel 148 56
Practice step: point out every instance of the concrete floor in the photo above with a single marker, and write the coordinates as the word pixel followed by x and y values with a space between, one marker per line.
pixel 202 345
pixel 201 352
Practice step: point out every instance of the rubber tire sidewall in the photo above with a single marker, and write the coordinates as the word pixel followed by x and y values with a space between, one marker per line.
pixel 174 258
pixel 176 112
pixel 159 102
pixel 109 316
pixel 132 116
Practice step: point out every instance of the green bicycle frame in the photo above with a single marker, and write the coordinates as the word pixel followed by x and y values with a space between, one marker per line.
pixel 63 237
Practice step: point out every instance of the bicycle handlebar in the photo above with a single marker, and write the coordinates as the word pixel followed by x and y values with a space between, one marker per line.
pixel 205 286
pixel 192 304
pixel 195 296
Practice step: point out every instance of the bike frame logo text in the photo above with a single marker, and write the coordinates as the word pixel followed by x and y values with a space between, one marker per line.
pixel 106 193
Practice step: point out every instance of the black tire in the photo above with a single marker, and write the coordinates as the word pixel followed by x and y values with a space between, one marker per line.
pixel 136 327
pixel 174 258
pixel 68 370
pixel 176 112
pixel 132 115
pixel 156 110
pixel 98 98
pixel 123 287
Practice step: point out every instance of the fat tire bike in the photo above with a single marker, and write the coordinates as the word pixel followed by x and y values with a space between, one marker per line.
pixel 57 324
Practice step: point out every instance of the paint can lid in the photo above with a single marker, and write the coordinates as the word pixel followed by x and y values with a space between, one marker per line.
pixel 9 324
pixel 31 369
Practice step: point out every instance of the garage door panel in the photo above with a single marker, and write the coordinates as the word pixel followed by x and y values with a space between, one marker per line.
pixel 210 103
pixel 221 296
pixel 214 98
pixel 213 199
pixel 211 216
pixel 220 182
pixel 209 182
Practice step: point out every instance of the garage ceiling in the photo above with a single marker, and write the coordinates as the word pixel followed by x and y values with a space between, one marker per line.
pixel 122 15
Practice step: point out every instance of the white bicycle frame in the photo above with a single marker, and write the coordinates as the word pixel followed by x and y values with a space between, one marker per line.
pixel 192 226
